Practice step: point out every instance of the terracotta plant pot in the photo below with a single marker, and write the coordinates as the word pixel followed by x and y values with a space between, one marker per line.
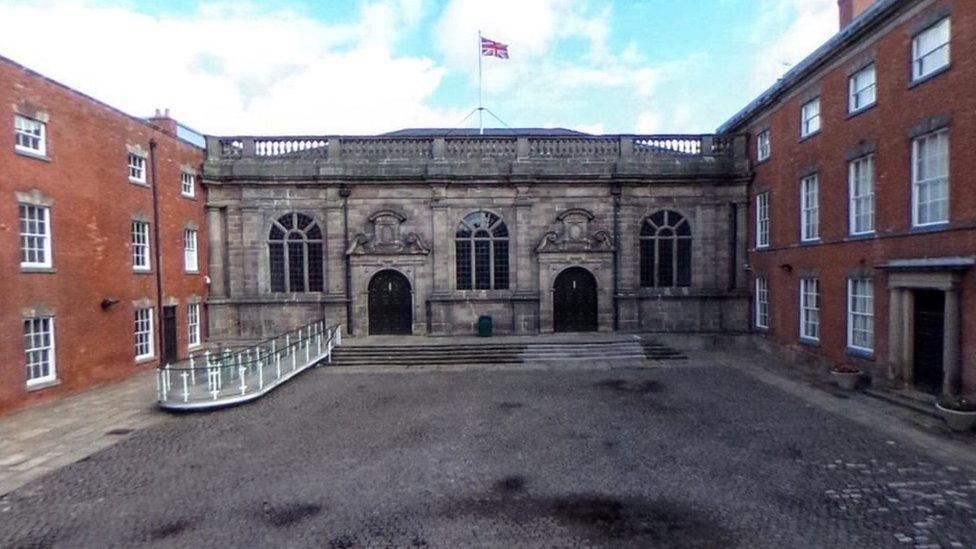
pixel 956 420
pixel 846 380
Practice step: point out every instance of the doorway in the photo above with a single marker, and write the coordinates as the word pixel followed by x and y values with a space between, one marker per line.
pixel 574 301
pixel 390 304
pixel 169 335
pixel 929 340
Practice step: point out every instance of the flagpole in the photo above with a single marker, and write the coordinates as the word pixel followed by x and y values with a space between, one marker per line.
pixel 481 109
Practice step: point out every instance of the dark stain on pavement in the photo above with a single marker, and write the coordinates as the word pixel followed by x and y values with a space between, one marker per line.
pixel 623 386
pixel 508 406
pixel 281 516
pixel 169 529
pixel 510 485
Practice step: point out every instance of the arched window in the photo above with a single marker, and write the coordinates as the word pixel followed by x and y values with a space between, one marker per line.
pixel 295 246
pixel 481 245
pixel 665 241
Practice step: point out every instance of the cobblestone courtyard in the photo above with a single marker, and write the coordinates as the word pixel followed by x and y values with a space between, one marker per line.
pixel 688 455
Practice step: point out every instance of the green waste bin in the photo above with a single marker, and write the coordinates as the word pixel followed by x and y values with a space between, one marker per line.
pixel 484 326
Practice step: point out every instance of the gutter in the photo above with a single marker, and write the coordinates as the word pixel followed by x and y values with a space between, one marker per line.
pixel 157 255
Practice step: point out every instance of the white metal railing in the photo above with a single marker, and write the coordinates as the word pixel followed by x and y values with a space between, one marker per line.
pixel 232 376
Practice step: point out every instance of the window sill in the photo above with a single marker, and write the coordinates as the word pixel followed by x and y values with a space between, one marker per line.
pixel 810 242
pixel 762 161
pixel 808 136
pixel 931 228
pixel 27 269
pixel 138 182
pixel 860 111
pixel 193 272
pixel 809 342
pixel 188 196
pixel 861 236
pixel 41 385
pixel 930 76
pixel 762 329
pixel 193 347
pixel 142 271
pixel 32 154
pixel 145 359
pixel 859 353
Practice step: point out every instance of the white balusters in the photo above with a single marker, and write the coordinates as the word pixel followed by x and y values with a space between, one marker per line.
pixel 243 385
pixel 186 388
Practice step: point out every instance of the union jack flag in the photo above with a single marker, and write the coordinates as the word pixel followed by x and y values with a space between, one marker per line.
pixel 490 48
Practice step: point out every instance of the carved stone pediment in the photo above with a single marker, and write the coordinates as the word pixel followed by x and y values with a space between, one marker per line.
pixel 574 235
pixel 385 238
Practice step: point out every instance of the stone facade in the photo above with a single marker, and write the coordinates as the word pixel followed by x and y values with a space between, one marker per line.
pixel 396 203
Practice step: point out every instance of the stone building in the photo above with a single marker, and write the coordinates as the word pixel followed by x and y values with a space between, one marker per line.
pixel 423 232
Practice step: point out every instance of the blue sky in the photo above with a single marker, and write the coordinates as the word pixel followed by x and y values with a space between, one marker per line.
pixel 369 66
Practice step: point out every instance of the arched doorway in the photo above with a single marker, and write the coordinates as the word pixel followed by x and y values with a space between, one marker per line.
pixel 574 301
pixel 390 304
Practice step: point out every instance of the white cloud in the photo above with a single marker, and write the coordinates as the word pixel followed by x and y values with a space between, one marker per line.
pixel 786 32
pixel 235 68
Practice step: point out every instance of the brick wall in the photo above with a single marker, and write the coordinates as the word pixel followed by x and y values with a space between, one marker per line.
pixel 85 179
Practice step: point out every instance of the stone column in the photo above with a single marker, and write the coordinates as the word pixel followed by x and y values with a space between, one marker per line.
pixel 215 230
pixel 523 247
pixel 952 374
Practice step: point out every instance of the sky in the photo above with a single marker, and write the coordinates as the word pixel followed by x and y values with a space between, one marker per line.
pixel 325 67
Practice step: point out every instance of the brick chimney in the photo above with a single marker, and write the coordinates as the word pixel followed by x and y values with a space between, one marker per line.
pixel 851 10
pixel 162 121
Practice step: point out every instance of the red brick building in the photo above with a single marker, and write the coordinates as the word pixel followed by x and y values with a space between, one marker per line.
pixel 102 240
pixel 863 223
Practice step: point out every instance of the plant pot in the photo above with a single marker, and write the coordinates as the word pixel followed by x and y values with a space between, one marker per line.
pixel 846 380
pixel 956 420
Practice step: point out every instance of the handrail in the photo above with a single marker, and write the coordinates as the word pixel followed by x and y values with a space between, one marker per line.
pixel 223 378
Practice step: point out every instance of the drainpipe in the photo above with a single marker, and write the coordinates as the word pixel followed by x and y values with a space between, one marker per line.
pixel 157 256
pixel 615 191
pixel 733 245
pixel 344 192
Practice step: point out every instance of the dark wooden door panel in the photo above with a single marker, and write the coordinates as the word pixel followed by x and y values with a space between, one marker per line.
pixel 390 304
pixel 574 301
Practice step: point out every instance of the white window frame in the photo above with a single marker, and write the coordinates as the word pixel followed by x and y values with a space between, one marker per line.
pixel 860 177
pixel 137 168
pixel 141 247
pixel 860 305
pixel 192 325
pixel 809 120
pixel 191 263
pixel 810 309
pixel 143 328
pixel 863 89
pixel 762 303
pixel 810 208
pixel 925 184
pixel 188 183
pixel 33 351
pixel 764 147
pixel 920 56
pixel 33 236
pixel 30 129
pixel 762 220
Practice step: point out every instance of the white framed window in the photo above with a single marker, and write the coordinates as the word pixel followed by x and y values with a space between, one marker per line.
pixel 137 168
pixel 193 325
pixel 39 356
pixel 810 208
pixel 144 333
pixel 930 179
pixel 860 314
pixel 763 145
pixel 860 175
pixel 810 309
pixel 863 89
pixel 188 184
pixel 35 236
pixel 930 49
pixel 810 118
pixel 190 250
pixel 762 303
pixel 762 220
pixel 30 135
pixel 140 246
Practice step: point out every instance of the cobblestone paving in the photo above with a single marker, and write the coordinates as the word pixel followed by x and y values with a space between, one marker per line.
pixel 689 456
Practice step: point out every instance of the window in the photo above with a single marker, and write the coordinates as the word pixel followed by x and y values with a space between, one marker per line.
pixel 192 325
pixel 762 303
pixel 137 168
pixel 665 241
pixel 810 308
pixel 861 182
pixel 762 220
pixel 39 350
pixel 810 118
pixel 187 184
pixel 144 333
pixel 140 246
pixel 295 250
pixel 763 146
pixel 481 252
pixel 35 236
pixel 190 250
pixel 809 208
pixel 860 314
pixel 29 135
pixel 930 50
pixel 930 179
pixel 863 89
